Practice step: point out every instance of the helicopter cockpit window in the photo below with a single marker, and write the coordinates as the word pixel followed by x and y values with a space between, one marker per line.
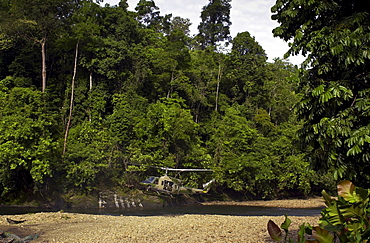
pixel 168 185
pixel 149 180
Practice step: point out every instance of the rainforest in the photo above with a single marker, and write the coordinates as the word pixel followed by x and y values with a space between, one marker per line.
pixel 95 97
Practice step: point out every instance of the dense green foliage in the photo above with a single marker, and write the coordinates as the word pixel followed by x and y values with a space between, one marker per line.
pixel 143 93
pixel 345 219
pixel 335 105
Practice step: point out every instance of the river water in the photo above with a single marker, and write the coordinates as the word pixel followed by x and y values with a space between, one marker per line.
pixel 198 209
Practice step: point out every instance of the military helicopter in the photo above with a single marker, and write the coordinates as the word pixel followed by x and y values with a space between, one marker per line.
pixel 173 186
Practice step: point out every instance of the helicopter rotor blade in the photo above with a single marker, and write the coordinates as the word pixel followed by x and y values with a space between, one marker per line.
pixel 181 170
pixel 172 169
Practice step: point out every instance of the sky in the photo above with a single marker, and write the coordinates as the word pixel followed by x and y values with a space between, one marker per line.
pixel 253 16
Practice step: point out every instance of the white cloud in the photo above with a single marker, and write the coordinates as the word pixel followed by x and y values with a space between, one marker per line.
pixel 186 9
pixel 253 16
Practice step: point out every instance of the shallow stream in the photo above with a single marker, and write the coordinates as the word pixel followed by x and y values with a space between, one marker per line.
pixel 179 210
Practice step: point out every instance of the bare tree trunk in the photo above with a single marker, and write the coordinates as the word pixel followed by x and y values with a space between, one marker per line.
pixel 197 113
pixel 91 79
pixel 71 103
pixel 90 90
pixel 43 69
pixel 218 85
pixel 169 92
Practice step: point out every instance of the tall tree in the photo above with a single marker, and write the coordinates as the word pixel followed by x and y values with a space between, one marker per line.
pixel 86 29
pixel 148 13
pixel 34 21
pixel 178 23
pixel 204 78
pixel 282 91
pixel 335 36
pixel 215 25
pixel 71 101
pixel 246 71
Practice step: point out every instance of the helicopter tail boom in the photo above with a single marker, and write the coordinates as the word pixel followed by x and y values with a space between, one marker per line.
pixel 207 185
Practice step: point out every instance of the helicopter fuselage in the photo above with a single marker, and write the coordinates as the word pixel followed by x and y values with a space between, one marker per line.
pixel 169 185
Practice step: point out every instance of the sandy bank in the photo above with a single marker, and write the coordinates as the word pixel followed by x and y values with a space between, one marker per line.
pixel 70 227
pixel 291 203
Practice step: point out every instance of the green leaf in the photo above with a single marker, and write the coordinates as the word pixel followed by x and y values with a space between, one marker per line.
pixel 304 229
pixel 352 211
pixel 346 189
pixel 322 235
pixel 354 150
pixel 332 219
pixel 327 198
pixel 318 90
pixel 285 225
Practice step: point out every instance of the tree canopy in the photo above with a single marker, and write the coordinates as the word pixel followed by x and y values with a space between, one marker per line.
pixel 215 25
pixel 335 37
pixel 134 87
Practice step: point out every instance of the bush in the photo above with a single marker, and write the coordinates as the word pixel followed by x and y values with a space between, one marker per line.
pixel 345 219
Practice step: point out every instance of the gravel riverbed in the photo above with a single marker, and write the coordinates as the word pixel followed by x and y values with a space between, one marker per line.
pixel 72 227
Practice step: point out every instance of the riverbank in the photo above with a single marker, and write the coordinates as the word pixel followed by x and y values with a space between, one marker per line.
pixel 316 202
pixel 70 227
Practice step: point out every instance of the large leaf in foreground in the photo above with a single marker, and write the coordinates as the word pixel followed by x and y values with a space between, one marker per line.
pixel 332 219
pixel 274 231
pixel 347 190
pixel 322 235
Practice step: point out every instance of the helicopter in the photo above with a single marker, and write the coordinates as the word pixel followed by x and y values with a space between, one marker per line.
pixel 171 185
